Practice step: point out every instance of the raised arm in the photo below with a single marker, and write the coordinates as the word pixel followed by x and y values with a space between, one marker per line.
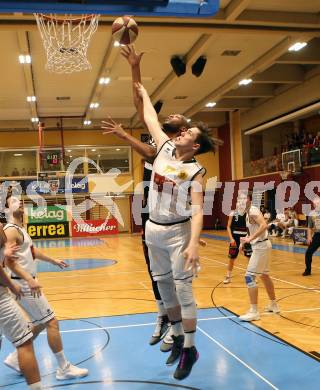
pixel 134 60
pixel 151 117
pixel 148 152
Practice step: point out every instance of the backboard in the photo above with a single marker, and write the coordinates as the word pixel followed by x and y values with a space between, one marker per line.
pixel 171 8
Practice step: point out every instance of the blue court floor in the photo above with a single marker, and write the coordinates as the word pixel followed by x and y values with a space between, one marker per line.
pixel 115 349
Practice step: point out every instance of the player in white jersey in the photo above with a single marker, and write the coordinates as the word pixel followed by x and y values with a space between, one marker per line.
pixel 259 260
pixel 171 126
pixel 171 237
pixel 23 271
pixel 12 322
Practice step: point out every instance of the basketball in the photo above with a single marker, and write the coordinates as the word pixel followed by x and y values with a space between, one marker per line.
pixel 125 30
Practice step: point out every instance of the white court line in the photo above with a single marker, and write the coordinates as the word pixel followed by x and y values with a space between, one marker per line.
pixel 64 274
pixel 272 277
pixel 297 310
pixel 238 359
pixel 132 326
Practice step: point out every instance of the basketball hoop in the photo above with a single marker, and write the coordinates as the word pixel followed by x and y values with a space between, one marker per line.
pixel 66 40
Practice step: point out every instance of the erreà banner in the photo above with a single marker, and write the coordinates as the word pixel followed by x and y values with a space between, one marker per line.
pixel 48 230
pixel 46 214
pixel 99 227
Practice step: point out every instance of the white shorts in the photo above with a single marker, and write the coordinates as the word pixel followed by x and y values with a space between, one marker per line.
pixel 259 260
pixel 12 322
pixel 37 308
pixel 166 245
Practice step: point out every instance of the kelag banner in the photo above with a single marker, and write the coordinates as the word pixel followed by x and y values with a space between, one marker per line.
pixel 46 214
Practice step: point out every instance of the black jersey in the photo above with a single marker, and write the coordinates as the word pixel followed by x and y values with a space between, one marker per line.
pixel 238 224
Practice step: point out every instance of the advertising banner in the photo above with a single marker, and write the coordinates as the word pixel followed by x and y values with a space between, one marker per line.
pixel 48 230
pixel 46 214
pixel 99 227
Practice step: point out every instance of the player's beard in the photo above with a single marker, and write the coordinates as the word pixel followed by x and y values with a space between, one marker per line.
pixel 170 128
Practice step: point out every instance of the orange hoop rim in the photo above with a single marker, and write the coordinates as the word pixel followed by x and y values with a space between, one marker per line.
pixel 67 18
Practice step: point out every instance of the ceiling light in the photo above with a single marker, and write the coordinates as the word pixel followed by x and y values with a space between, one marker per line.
pixel 70 156
pixel 34 120
pixel 87 122
pixel 93 150
pixel 297 46
pixel 104 80
pixel 18 154
pixel 211 104
pixel 118 149
pixel 69 150
pixel 25 59
pixel 94 105
pixel 31 98
pixel 245 81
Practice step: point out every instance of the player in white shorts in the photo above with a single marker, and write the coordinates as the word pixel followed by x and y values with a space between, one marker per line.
pixel 23 272
pixel 12 323
pixel 171 237
pixel 259 260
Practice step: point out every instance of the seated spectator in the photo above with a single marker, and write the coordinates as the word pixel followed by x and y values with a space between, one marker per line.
pixel 316 142
pixel 290 221
pixel 273 227
pixel 23 172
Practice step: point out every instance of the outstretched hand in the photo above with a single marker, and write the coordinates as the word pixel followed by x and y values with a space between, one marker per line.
pixel 113 127
pixel 129 52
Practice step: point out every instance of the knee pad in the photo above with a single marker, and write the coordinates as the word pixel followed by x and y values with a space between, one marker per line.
pixel 168 293
pixel 250 281
pixel 186 299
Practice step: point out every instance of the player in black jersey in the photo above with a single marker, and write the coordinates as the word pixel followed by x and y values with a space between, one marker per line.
pixel 236 229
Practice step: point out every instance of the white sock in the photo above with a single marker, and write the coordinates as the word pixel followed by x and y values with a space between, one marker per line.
pixel 35 386
pixel 254 307
pixel 189 339
pixel 177 328
pixel 61 359
pixel 273 301
pixel 161 309
pixel 229 273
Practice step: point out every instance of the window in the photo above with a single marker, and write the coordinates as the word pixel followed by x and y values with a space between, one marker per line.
pixel 18 163
pixel 109 157
pixel 72 153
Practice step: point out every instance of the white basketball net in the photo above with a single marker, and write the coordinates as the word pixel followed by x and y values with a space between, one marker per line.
pixel 66 41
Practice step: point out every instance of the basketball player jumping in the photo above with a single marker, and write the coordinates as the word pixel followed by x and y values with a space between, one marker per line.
pixel 172 127
pixel 12 322
pixel 171 237
pixel 23 271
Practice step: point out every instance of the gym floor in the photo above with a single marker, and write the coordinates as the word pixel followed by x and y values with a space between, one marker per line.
pixel 106 310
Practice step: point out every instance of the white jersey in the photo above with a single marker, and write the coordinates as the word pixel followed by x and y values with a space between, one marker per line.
pixel 26 258
pixel 169 194
pixel 254 227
